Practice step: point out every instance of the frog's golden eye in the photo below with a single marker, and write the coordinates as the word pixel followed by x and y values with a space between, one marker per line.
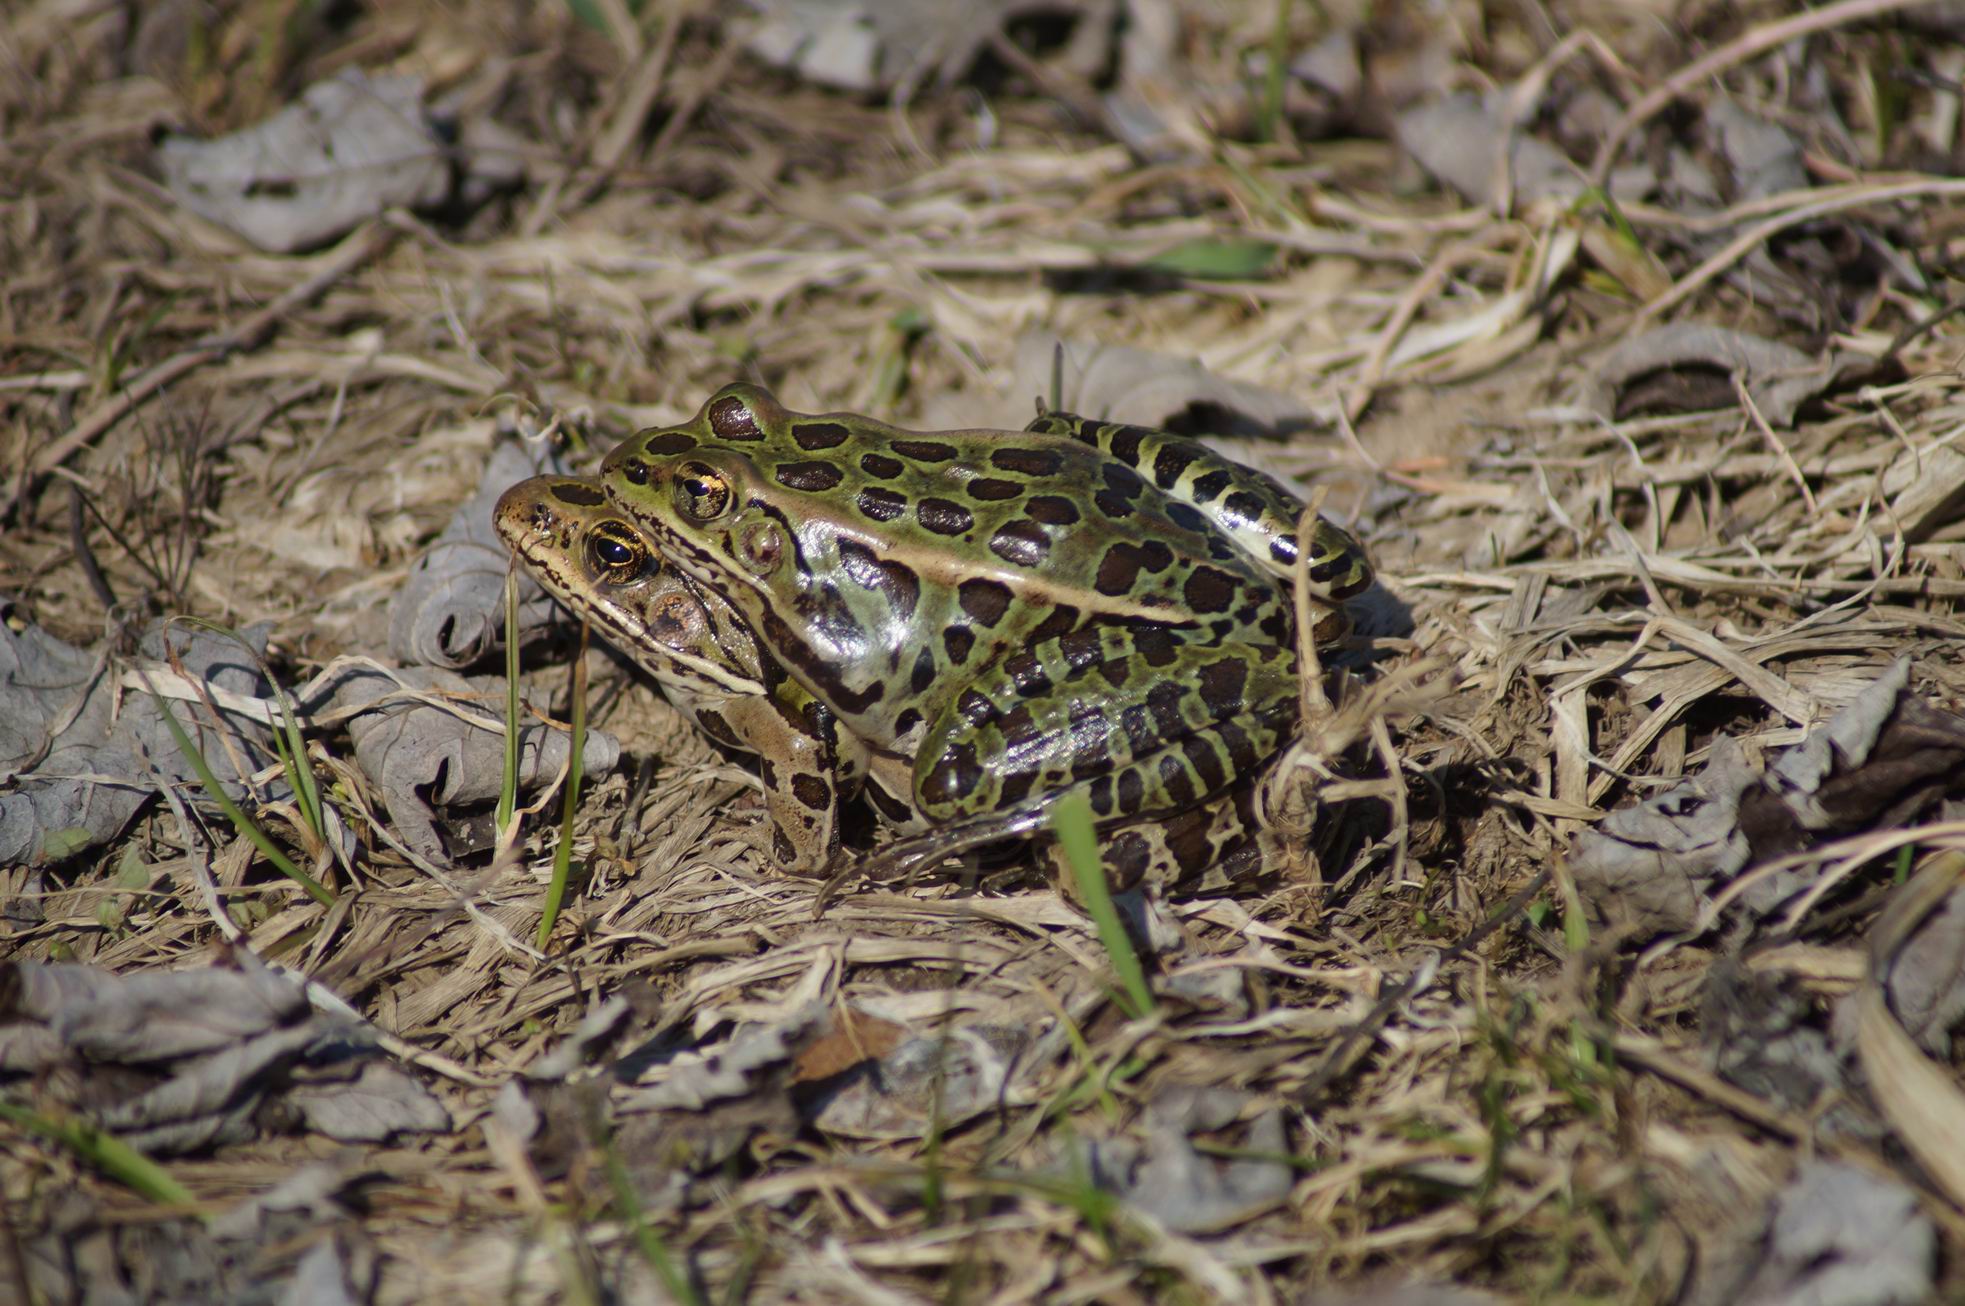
pixel 616 553
pixel 701 492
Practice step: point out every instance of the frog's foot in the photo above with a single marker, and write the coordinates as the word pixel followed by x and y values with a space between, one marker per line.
pixel 1204 849
pixel 911 855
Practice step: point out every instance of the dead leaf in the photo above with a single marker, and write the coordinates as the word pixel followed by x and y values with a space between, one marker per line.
pixel 1843 1235
pixel 83 759
pixel 450 610
pixel 352 147
pixel 178 1061
pixel 1882 760
pixel 424 737
pixel 1689 367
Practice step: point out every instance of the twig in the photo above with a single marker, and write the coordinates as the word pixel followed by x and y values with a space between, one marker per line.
pixel 1754 237
pixel 1774 441
pixel 1372 371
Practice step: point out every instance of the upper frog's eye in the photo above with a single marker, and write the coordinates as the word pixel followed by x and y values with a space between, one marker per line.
pixel 701 492
pixel 616 553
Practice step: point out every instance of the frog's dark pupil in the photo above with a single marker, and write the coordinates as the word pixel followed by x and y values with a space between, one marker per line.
pixel 612 552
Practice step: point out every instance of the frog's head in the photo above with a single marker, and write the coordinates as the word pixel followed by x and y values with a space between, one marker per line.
pixel 602 564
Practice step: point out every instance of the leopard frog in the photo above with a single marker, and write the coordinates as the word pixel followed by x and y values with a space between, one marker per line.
pixel 1012 616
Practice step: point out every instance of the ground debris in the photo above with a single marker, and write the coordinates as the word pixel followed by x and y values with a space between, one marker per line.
pixel 1387 254
pixel 1689 366
pixel 1840 1236
pixel 450 610
pixel 180 1061
pixel 80 756
pixel 1664 864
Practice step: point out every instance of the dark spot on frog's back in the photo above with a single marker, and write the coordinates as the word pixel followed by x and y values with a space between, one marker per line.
pixel 1123 481
pixel 880 465
pixel 1122 486
pixel 1052 510
pixel 944 517
pixel 731 418
pixel 956 773
pixel 1119 571
pixel 984 600
pixel 578 493
pixel 958 640
pixel 924 451
pixel 813 476
pixel 1061 620
pixel 880 504
pixel 1205 761
pixel 1187 843
pixel 1222 685
pixel 993 487
pixel 1244 505
pixel 1026 462
pixel 1186 516
pixel 1175 781
pixel 666 443
pixel 1125 443
pixel 819 435
pixel 811 791
pixel 1208 590
pixel 1023 543
pixel 1210 484
pixel 1241 749
pixel 870 571
pixel 1132 790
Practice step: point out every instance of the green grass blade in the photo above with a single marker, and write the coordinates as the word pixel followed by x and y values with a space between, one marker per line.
pixel 563 854
pixel 288 740
pixel 1216 258
pixel 1276 75
pixel 107 1153
pixel 292 748
pixel 240 821
pixel 1072 819
pixel 648 1239
pixel 508 784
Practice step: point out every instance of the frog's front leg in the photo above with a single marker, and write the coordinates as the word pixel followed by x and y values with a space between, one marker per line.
pixel 809 766
pixel 1146 721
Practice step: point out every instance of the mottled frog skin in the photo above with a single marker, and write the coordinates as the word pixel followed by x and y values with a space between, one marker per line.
pixel 1009 616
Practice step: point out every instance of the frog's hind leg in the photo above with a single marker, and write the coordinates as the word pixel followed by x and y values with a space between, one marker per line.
pixel 1145 722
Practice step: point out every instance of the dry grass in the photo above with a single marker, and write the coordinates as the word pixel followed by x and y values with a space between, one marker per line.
pixel 1592 604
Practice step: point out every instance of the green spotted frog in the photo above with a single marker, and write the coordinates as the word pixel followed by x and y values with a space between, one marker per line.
pixel 993 619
